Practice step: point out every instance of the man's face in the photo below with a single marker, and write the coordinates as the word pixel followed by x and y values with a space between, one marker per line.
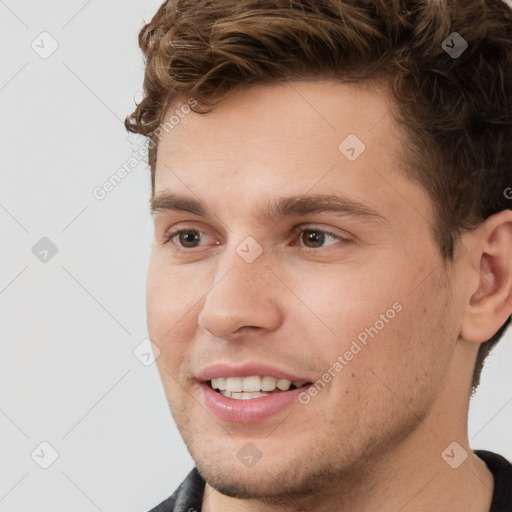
pixel 239 288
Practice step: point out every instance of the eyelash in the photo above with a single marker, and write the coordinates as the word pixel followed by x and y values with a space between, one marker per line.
pixel 169 236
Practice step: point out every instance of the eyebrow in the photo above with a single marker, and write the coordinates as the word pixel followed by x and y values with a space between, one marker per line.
pixel 279 208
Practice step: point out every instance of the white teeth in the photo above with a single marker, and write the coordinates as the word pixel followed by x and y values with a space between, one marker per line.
pixel 234 384
pixel 268 384
pixel 283 384
pixel 219 383
pixel 251 384
pixel 242 396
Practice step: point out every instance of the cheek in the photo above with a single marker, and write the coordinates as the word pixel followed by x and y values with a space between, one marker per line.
pixel 375 320
pixel 170 302
pixel 345 304
pixel 170 298
pixel 409 355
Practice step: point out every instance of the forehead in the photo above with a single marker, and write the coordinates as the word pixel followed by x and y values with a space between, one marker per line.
pixel 295 137
pixel 298 111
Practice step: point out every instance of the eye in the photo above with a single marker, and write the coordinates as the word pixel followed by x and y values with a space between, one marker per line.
pixel 311 238
pixel 315 238
pixel 187 238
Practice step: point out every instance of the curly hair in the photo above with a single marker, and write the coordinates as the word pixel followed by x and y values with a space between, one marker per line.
pixel 455 109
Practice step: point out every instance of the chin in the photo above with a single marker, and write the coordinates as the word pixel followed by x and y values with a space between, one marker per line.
pixel 253 483
pixel 273 480
pixel 236 488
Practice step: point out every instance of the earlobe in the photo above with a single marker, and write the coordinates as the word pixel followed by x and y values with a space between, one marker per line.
pixel 490 304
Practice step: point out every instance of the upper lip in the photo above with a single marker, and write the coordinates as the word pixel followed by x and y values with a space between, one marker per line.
pixel 248 370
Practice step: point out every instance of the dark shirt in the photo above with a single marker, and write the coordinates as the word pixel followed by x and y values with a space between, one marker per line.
pixel 188 497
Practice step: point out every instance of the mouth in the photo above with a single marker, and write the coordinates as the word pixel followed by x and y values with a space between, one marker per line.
pixel 253 387
pixel 251 392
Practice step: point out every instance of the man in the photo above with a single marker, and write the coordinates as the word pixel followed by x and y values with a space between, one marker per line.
pixel 333 247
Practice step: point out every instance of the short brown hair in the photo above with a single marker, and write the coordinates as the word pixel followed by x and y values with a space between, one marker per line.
pixel 456 110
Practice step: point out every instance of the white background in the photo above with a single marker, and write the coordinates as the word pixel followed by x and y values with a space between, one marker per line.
pixel 70 325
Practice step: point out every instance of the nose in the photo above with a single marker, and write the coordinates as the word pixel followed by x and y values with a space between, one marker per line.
pixel 243 298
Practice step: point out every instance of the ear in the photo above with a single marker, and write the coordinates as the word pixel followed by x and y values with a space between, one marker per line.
pixel 489 302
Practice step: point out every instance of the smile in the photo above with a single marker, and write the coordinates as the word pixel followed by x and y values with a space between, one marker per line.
pixel 247 388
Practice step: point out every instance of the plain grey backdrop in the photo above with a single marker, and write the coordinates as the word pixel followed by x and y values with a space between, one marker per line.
pixel 83 418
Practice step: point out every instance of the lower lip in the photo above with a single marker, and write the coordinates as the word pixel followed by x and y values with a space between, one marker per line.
pixel 251 410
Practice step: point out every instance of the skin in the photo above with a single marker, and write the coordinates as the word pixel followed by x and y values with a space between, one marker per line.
pixel 373 438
